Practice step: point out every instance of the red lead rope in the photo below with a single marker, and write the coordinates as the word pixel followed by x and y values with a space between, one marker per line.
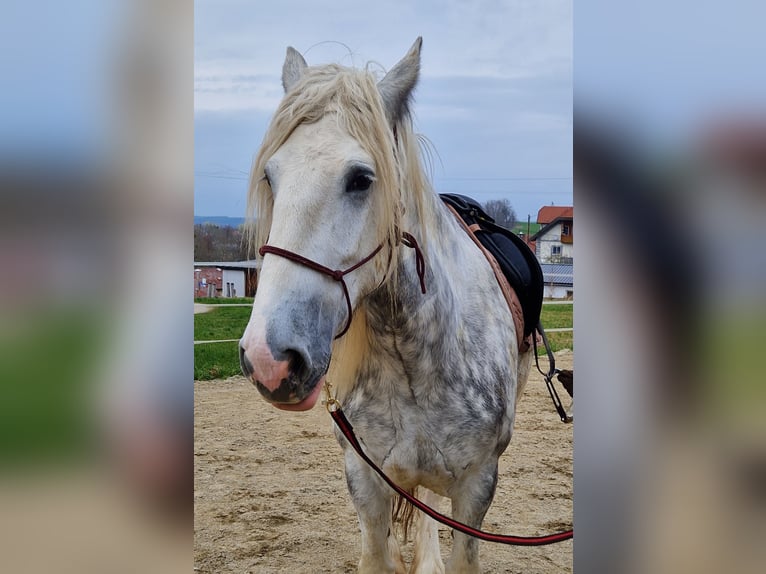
pixel 348 431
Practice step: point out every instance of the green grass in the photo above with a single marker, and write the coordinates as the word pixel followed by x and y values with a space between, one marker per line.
pixel 727 347
pixel 221 323
pixel 558 342
pixel 220 360
pixel 216 361
pixel 557 317
pixel 46 366
pixel 223 300
pixel 521 227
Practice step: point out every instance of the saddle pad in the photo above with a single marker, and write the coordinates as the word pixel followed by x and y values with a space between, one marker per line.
pixel 516 261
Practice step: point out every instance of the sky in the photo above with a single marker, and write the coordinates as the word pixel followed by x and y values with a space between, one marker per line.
pixel 494 96
pixel 663 70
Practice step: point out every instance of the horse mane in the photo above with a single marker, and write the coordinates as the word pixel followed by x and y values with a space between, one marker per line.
pixel 352 96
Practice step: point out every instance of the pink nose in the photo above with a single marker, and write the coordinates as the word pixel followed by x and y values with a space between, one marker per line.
pixel 263 369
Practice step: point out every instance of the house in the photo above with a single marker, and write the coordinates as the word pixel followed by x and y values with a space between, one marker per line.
pixel 548 213
pixel 558 281
pixel 554 241
pixel 225 279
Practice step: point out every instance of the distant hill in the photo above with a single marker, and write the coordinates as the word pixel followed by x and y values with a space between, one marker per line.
pixel 224 221
pixel 521 227
pixel 219 220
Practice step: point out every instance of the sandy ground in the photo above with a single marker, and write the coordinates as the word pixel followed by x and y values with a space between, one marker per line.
pixel 270 495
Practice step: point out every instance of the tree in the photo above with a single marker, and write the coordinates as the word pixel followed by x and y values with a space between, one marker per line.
pixel 214 243
pixel 501 211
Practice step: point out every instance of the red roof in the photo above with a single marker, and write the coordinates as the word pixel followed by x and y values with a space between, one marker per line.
pixel 551 212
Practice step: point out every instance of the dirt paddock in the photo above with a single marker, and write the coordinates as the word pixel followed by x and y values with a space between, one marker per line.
pixel 270 496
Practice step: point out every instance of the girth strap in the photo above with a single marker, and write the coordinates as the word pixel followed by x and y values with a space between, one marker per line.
pixel 511 299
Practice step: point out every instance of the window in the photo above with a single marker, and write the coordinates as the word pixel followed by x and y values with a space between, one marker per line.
pixel 564 229
pixel 555 249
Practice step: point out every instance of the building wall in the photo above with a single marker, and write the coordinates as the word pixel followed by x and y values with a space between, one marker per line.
pixel 558 291
pixel 208 282
pixel 545 243
pixel 233 283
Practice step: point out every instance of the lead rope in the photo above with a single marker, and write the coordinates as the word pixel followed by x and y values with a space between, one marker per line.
pixel 333 407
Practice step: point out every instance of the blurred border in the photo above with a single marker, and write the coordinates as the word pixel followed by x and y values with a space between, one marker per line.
pixel 670 179
pixel 96 213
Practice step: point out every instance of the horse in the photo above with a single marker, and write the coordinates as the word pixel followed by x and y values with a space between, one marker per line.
pixel 369 282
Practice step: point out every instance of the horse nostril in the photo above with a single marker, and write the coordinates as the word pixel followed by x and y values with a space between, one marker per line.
pixel 244 363
pixel 298 364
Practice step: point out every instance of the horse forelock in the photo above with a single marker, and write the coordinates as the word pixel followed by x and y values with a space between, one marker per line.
pixel 352 97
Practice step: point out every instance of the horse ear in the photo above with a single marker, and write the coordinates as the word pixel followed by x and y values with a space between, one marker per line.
pixel 397 85
pixel 292 69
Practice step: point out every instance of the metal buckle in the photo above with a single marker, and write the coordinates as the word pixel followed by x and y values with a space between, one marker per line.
pixel 331 403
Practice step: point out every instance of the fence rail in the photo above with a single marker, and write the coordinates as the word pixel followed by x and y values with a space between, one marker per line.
pixel 556 330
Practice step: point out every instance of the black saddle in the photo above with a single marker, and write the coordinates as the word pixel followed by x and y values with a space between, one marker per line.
pixel 518 263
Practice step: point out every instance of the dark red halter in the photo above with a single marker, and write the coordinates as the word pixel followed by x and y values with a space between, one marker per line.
pixel 338 275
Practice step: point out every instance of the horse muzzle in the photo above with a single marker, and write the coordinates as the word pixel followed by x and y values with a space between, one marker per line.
pixel 287 367
pixel 287 384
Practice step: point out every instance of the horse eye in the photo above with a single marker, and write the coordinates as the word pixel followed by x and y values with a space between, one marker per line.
pixel 359 182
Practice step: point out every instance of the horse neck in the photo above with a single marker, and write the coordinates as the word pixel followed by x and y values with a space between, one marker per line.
pixel 398 323
pixel 401 309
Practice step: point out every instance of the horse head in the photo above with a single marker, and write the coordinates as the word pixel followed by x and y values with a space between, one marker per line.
pixel 325 193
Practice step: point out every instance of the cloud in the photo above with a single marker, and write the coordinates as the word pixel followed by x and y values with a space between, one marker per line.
pixel 495 95
pixel 481 39
pixel 220 89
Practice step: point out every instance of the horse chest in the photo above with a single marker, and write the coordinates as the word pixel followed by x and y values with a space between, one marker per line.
pixel 432 444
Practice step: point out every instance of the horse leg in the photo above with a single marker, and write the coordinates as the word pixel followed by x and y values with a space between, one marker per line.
pixel 372 500
pixel 470 502
pixel 396 553
pixel 427 559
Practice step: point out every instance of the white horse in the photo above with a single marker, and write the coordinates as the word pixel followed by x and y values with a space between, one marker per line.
pixel 429 381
